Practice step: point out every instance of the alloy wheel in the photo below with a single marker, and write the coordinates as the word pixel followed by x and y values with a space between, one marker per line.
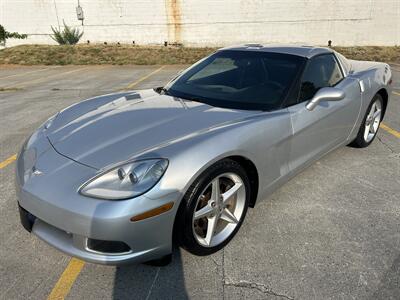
pixel 219 209
pixel 372 121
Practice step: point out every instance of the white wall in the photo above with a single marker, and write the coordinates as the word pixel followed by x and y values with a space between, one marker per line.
pixel 210 22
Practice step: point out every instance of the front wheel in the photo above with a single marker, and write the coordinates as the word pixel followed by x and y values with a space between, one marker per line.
pixel 214 208
pixel 370 125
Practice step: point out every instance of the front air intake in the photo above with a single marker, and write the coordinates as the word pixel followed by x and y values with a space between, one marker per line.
pixel 107 247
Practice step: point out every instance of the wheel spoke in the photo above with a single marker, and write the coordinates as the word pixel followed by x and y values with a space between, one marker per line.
pixel 228 216
pixel 231 192
pixel 212 223
pixel 203 212
pixel 372 110
pixel 366 132
pixel 377 113
pixel 372 128
pixel 215 191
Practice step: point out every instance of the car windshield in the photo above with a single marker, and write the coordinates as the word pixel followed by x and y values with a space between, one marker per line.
pixel 252 80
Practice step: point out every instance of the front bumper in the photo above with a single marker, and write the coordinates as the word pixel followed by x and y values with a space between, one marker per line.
pixel 52 209
pixel 77 245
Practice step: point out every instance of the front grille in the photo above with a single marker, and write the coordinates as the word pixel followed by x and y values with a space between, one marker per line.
pixel 112 247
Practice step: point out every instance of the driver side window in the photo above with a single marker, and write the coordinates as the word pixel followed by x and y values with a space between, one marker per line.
pixel 321 71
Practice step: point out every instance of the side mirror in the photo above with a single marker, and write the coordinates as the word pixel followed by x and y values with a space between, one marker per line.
pixel 158 89
pixel 325 94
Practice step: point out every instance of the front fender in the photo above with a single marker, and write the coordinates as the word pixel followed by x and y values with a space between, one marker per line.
pixel 264 140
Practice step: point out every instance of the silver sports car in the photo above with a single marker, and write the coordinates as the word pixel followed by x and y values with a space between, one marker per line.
pixel 120 178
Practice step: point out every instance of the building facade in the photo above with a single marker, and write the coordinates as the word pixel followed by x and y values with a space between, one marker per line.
pixel 208 22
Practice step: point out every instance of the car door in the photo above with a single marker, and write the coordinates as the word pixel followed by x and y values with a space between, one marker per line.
pixel 329 124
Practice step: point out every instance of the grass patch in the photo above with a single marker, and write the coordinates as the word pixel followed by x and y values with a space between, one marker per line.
pixel 374 53
pixel 138 55
pixel 100 54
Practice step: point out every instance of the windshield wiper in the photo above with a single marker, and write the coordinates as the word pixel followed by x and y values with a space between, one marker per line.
pixel 163 91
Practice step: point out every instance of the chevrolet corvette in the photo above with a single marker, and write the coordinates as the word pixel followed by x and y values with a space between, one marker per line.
pixel 121 178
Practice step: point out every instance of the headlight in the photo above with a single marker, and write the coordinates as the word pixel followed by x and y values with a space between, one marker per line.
pixel 126 181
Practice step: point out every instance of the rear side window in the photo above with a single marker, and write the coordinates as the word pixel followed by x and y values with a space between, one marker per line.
pixel 345 63
pixel 321 71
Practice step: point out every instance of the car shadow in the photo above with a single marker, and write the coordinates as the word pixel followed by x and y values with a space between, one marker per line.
pixel 148 282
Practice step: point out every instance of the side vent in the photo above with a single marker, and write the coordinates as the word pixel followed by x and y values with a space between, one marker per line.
pixel 362 86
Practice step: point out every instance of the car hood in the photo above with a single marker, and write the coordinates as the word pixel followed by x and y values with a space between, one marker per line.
pixel 109 129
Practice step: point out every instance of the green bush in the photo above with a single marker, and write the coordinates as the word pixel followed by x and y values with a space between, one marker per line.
pixel 4 35
pixel 68 36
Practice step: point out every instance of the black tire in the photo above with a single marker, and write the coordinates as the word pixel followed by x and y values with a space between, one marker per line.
pixel 360 142
pixel 184 230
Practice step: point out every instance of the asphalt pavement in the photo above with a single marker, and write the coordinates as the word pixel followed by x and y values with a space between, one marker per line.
pixel 332 232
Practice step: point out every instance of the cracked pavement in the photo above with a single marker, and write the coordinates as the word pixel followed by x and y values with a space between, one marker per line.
pixel 332 232
pixel 258 286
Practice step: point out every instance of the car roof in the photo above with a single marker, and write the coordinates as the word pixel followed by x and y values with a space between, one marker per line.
pixel 303 51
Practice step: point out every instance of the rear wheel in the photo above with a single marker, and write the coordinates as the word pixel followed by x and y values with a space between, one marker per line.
pixel 214 208
pixel 370 124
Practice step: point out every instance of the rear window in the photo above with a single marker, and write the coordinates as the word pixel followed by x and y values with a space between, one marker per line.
pixel 345 63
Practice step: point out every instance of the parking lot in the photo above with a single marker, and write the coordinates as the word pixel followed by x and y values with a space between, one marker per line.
pixel 331 232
